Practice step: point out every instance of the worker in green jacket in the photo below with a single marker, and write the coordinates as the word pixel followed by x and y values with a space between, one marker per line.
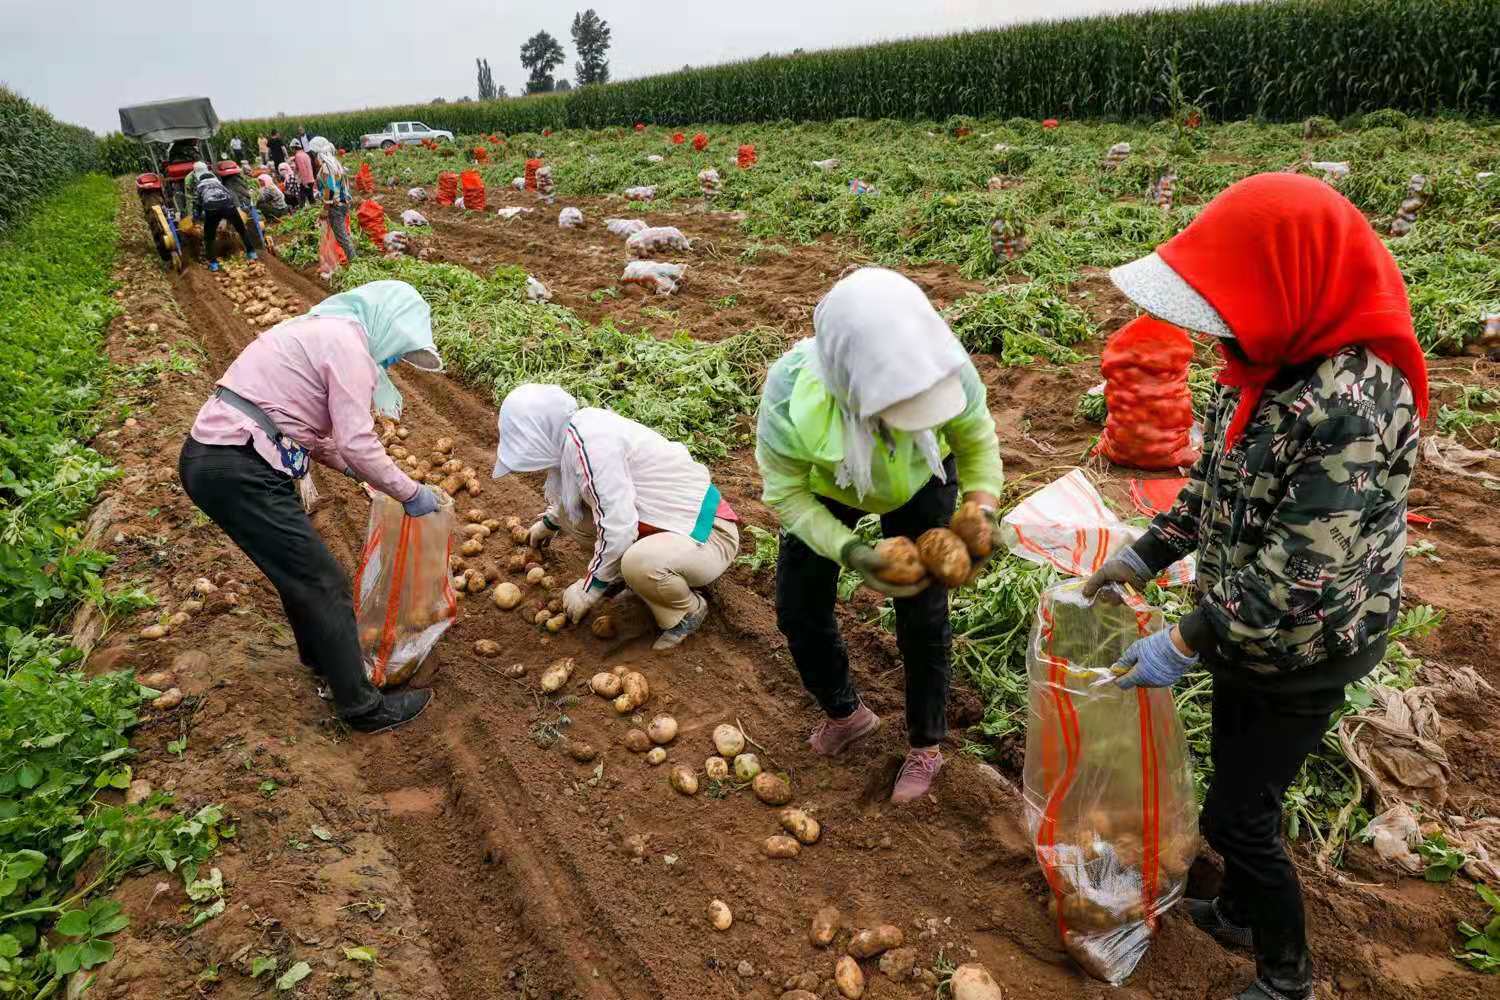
pixel 881 412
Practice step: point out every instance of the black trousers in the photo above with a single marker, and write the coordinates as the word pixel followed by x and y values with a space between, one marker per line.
pixel 259 510
pixel 212 216
pixel 807 587
pixel 1259 742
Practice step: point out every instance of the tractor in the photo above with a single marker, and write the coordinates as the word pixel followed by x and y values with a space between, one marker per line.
pixel 175 134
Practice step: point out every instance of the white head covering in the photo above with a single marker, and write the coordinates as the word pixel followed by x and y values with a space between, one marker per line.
pixel 1151 284
pixel 324 151
pixel 533 430
pixel 879 343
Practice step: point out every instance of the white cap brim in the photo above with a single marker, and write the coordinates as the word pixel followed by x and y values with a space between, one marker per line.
pixel 500 469
pixel 427 361
pixel 928 409
pixel 1151 284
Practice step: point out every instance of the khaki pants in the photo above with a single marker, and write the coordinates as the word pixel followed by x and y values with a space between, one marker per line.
pixel 664 568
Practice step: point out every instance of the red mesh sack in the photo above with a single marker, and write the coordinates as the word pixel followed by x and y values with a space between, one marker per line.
pixel 640 126
pixel 546 132
pixel 364 180
pixel 532 166
pixel 372 220
pixel 447 188
pixel 481 155
pixel 392 150
pixel 1150 419
pixel 746 158
pixel 700 142
pixel 678 138
pixel 473 186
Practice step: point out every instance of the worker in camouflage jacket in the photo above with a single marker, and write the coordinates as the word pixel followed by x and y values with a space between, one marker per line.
pixel 1296 511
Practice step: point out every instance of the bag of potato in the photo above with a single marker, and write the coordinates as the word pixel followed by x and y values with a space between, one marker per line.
pixel 403 595
pixel 656 239
pixel 1107 787
pixel 661 278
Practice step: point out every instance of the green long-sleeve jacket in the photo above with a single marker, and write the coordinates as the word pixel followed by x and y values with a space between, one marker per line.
pixel 799 444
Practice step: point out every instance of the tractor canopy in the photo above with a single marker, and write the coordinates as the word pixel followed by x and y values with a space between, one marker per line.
pixel 169 121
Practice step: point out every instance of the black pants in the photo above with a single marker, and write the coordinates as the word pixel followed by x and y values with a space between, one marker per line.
pixel 212 216
pixel 259 510
pixel 807 587
pixel 1260 740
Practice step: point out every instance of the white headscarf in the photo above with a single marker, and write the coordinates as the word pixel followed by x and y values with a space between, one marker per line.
pixel 533 433
pixel 878 342
pixel 324 151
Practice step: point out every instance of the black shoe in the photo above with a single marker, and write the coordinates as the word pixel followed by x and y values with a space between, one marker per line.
pixel 1262 990
pixel 396 708
pixel 1210 919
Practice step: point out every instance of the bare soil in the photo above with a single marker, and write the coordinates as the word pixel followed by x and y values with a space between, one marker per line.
pixel 480 861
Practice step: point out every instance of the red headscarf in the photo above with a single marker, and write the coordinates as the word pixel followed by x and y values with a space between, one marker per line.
pixel 1298 274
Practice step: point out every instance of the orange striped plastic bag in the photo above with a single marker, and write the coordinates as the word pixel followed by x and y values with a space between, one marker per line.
pixel 1108 790
pixel 403 596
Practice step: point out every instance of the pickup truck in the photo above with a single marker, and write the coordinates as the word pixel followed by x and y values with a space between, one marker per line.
pixel 406 133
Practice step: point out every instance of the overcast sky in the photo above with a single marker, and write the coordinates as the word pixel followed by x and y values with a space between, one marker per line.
pixel 82 59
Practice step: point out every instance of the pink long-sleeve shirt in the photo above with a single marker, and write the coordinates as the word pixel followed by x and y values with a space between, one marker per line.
pixel 315 379
pixel 303 165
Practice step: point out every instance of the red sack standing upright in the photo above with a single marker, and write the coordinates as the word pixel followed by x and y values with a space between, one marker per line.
pixel 371 218
pixel 447 187
pixel 473 186
pixel 640 126
pixel 532 166
pixel 481 155
pixel 746 158
pixel 678 138
pixel 700 142
pixel 364 180
pixel 1150 419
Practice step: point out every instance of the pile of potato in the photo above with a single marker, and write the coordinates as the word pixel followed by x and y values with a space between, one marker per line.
pixel 203 590
pixel 440 469
pixel 945 554
pixel 259 303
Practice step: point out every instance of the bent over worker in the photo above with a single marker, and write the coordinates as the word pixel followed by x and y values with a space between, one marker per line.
pixel 1296 509
pixel 650 513
pixel 214 203
pixel 304 389
pixel 881 412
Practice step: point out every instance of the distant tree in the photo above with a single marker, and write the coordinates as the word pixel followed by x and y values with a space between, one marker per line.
pixel 464 99
pixel 591 39
pixel 440 100
pixel 563 85
pixel 486 80
pixel 539 57
pixel 500 91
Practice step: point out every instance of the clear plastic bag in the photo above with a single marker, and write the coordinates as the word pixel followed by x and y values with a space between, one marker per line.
pixel 403 595
pixel 569 218
pixel 655 239
pixel 411 217
pixel 645 192
pixel 663 279
pixel 1108 789
pixel 624 227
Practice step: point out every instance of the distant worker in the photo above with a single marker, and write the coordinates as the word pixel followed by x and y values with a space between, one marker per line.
pixel 304 389
pixel 649 513
pixel 236 149
pixel 214 203
pixel 306 180
pixel 334 194
pixel 296 194
pixel 880 412
pixel 276 147
pixel 1296 510
pixel 272 202
pixel 303 137
pixel 265 150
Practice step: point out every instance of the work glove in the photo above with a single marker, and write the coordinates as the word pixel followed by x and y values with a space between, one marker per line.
pixel 423 502
pixel 1125 569
pixel 541 533
pixel 1154 661
pixel 580 597
pixel 865 561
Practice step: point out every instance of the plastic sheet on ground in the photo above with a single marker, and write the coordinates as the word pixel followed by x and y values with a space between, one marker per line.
pixel 403 595
pixel 510 213
pixel 661 278
pixel 1108 790
pixel 1458 460
pixel 411 217
pixel 1067 526
pixel 536 291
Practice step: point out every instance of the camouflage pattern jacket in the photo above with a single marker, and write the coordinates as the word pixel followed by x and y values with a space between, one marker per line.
pixel 1300 528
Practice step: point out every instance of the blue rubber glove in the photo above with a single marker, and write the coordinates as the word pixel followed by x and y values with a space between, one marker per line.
pixel 1155 661
pixel 424 501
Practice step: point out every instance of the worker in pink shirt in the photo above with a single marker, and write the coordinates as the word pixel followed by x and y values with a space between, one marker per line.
pixel 304 390
pixel 302 165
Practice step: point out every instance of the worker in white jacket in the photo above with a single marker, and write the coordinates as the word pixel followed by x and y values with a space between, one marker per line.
pixel 650 512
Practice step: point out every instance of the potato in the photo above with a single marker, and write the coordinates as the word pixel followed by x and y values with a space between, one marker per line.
pixel 548 582
pixel 973 981
pixel 605 684
pixel 474 486
pixel 716 768
pixel 746 767
pixel 170 698
pixel 177 620
pixel 476 531
pixel 203 586
pixel 519 535
pixel 491 573
pixel 728 740
pixel 972 526
pixel 507 596
pixel 903 564
pixel 719 917
pixel 800 825
pixel 542 616
pixel 410 462
pixel 619 670
pixel 487 647
pixel 655 756
pixel 516 670
pixel 452 465
pixel 662 730
pixel 475 581
pixel 555 676
pixel 424 466
pixel 603 627
pixel 157 679
pixel 490 523
pixel 872 941
pixel 512 522
pixel 532 564
pixel 403 433
pixel 456 564
pixel 849 978
pixel 451 485
pixel 636 741
pixel 471 547
pixel 154 632
pixel 633 693
pixel 467 472
pixel 771 789
pixel 191 606
pixel 944 555
pixel 825 926
pixel 516 563
pixel 434 479
pixel 682 779
pixel 581 752
pixel 556 623
pixel 443 446
pixel 779 846
pixel 474 515
pixel 535 575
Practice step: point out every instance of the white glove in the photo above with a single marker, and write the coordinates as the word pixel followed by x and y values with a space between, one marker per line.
pixel 578 598
pixel 540 534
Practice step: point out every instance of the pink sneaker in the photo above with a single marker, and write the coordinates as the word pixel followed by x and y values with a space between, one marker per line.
pixel 917 774
pixel 834 736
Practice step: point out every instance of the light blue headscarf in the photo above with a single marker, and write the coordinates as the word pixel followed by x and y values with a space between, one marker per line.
pixel 398 327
